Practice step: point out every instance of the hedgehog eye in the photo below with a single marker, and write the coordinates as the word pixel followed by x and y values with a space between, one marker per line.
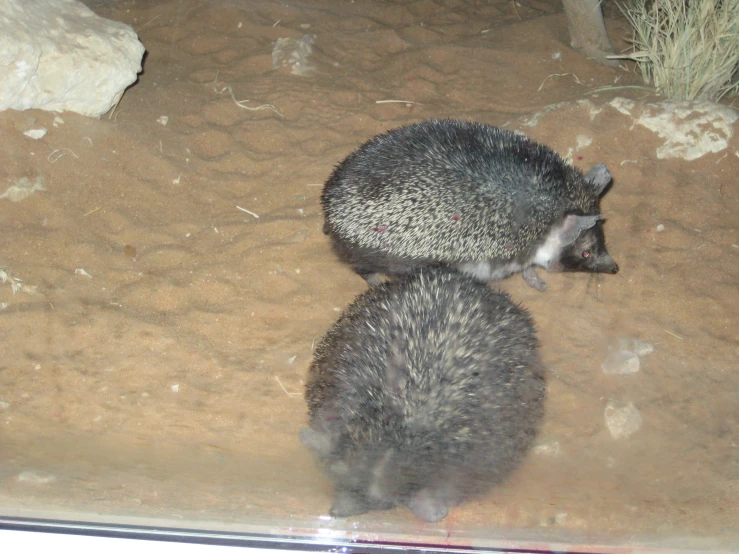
pixel 586 253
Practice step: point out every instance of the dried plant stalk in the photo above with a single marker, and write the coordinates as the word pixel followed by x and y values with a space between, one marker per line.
pixel 687 49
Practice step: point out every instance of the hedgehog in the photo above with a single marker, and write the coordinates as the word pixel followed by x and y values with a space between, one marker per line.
pixel 480 199
pixel 427 391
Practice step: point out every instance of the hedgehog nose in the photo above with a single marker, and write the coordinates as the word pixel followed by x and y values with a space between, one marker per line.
pixel 607 265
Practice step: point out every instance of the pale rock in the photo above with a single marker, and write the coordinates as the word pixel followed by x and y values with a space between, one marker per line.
pixel 621 362
pixel 37 477
pixel 637 346
pixel 36 133
pixel 293 53
pixel 58 55
pixel 622 419
pixel 22 189
pixel 689 129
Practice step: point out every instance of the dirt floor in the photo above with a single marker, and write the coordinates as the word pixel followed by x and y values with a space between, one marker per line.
pixel 155 349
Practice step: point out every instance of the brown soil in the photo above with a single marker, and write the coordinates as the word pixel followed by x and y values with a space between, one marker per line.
pixel 168 382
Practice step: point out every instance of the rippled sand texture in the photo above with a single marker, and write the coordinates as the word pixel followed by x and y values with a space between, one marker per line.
pixel 167 378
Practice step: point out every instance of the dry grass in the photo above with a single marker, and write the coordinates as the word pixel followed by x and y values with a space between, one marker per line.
pixel 687 49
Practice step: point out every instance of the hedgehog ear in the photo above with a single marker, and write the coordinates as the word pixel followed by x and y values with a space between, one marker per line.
pixel 574 225
pixel 598 178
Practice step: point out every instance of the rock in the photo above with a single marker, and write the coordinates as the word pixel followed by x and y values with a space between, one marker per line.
pixel 623 355
pixel 689 130
pixel 57 55
pixel 622 419
pixel 637 346
pixel 36 133
pixel 23 188
pixel 38 477
pixel 293 53
pixel 620 362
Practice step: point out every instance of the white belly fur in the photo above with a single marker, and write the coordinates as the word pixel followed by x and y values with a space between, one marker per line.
pixel 486 271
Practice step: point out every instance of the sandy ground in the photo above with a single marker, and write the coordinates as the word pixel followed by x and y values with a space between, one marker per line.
pixel 167 380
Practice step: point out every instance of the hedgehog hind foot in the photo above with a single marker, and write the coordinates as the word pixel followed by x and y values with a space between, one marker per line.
pixel 353 503
pixel 428 506
pixel 532 279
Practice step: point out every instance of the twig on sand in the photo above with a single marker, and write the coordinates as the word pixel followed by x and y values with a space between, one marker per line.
pixel 515 8
pixel 290 394
pixel 145 25
pixel 58 153
pixel 394 102
pixel 240 103
pixel 603 89
pixel 673 334
pixel 247 211
pixel 557 75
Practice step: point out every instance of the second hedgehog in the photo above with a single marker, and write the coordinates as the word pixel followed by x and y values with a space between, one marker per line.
pixel 477 198
pixel 427 391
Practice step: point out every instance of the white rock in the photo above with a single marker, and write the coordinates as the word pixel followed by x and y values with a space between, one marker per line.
pixel 33 476
pixel 57 55
pixel 36 133
pixel 637 346
pixel 622 419
pixel 620 362
pixel 22 189
pixel 689 129
pixel 642 347
pixel 583 141
pixel 80 271
pixel 293 53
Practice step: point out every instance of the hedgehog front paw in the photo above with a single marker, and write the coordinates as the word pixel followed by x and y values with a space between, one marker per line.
pixel 532 279
pixel 426 505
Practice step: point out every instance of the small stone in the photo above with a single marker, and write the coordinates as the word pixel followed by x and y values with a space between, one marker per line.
pixel 620 362
pixel 163 119
pixel 642 347
pixel 36 133
pixel 22 189
pixel 622 419
pixel 4 405
pixel 175 388
pixel 660 228
pixel 637 346
pixel 39 477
